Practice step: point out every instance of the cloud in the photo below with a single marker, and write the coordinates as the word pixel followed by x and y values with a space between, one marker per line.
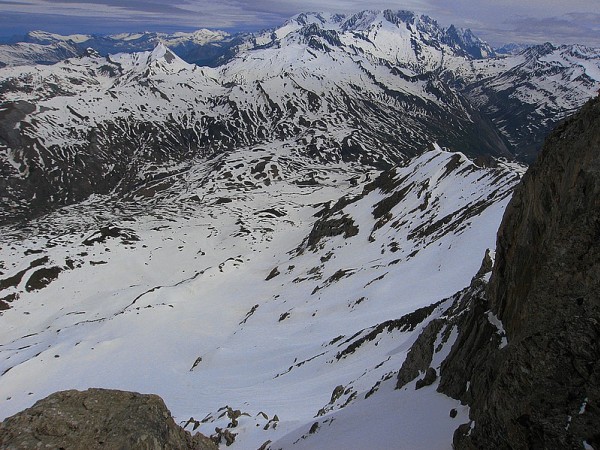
pixel 103 15
pixel 571 28
pixel 574 28
pixel 118 14
pixel 498 21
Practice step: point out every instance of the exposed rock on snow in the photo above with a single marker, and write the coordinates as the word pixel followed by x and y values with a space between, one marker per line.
pixel 433 343
pixel 176 281
pixel 428 379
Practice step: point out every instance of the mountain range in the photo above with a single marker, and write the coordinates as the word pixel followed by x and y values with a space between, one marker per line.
pixel 266 242
pixel 203 47
pixel 377 87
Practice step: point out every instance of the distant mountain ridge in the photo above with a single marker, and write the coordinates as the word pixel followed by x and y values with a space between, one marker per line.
pixel 26 54
pixel 202 47
pixel 214 47
pixel 527 94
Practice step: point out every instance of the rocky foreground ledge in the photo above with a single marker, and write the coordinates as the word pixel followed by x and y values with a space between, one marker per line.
pixel 99 419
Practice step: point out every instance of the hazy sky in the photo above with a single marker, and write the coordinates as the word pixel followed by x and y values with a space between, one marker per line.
pixel 497 21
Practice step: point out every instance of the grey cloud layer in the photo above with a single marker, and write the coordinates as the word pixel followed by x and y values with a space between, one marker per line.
pixel 498 21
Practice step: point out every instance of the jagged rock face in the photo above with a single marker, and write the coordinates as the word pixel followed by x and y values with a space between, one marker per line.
pixel 542 390
pixel 550 229
pixel 98 419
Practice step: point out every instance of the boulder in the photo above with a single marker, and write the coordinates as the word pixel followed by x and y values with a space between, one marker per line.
pixel 98 419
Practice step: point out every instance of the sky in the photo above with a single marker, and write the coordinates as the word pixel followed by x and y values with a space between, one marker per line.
pixel 496 21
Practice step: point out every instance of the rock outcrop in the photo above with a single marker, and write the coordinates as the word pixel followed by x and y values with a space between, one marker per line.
pixel 98 419
pixel 541 387
pixel 467 312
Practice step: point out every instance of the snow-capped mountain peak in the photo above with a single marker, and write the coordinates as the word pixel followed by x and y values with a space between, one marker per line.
pixel 91 53
pixel 465 39
pixel 160 60
pixel 161 52
pixel 540 50
pixel 321 18
pixel 202 36
pixel 164 59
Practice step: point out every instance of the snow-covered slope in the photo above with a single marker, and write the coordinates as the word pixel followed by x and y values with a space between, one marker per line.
pixel 261 281
pixel 44 37
pixel 21 54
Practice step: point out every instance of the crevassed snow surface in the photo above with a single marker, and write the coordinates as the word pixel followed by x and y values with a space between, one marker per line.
pixel 179 304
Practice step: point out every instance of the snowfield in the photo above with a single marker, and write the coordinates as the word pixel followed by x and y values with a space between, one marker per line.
pixel 217 292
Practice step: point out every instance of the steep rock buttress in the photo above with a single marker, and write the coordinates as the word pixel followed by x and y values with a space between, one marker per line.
pixel 527 355
pixel 541 388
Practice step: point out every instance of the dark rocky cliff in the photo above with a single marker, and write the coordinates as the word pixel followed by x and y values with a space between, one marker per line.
pixel 98 419
pixel 527 355
pixel 542 389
